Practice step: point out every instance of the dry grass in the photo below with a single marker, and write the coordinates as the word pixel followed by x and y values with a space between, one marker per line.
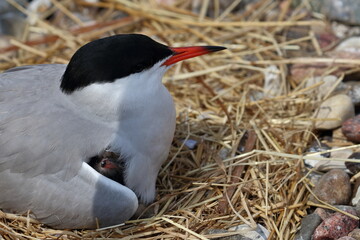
pixel 247 167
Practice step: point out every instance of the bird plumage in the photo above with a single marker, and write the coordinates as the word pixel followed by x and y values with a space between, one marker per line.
pixel 55 118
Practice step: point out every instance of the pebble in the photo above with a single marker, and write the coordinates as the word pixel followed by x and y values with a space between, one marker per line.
pixel 355 201
pixel 351 44
pixel 347 11
pixel 345 208
pixel 339 136
pixel 347 49
pixel 355 234
pixel 316 147
pixel 328 83
pixel 326 165
pixel 190 143
pixel 314 177
pixel 354 167
pixel 325 36
pixel 224 153
pixel 319 147
pixel 341 153
pixel 336 226
pixel 12 21
pixel 346 238
pixel 323 213
pixel 338 107
pixel 334 188
pixel 353 91
pixel 308 225
pixel 259 233
pixel 246 233
pixel 351 129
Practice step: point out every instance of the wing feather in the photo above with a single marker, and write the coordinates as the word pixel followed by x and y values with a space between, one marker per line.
pixel 42 132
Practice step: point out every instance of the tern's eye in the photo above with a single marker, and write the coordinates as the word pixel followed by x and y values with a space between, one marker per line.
pixel 143 65
pixel 140 67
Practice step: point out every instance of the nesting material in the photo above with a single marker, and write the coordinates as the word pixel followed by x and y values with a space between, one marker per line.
pixel 247 166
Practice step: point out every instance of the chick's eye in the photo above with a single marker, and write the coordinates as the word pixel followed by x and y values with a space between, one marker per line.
pixel 103 163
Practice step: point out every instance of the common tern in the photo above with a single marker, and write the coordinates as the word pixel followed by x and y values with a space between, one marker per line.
pixel 55 118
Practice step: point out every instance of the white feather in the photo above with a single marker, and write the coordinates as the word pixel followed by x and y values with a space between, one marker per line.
pixel 142 110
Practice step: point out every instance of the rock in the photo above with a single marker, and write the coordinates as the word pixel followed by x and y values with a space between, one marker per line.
pixel 308 225
pixel 355 201
pixel 327 165
pixel 316 147
pixel 342 30
pixel 334 188
pixel 351 44
pixel 346 238
pixel 348 49
pixel 259 233
pixel 353 91
pixel 351 129
pixel 325 36
pixel 310 160
pixel 243 232
pixel 301 71
pixel 336 226
pixel 319 147
pixel 190 143
pixel 314 177
pixel 341 153
pixel 224 153
pixel 345 208
pixel 339 136
pixel 355 234
pixel 354 167
pixel 347 11
pixel 339 108
pixel 12 21
pixel 323 89
pixel 323 213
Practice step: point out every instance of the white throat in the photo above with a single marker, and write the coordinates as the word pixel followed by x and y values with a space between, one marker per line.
pixel 112 100
pixel 142 111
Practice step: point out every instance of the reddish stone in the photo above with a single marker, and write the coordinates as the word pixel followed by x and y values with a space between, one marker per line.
pixel 351 129
pixel 323 213
pixel 326 39
pixel 301 71
pixel 336 226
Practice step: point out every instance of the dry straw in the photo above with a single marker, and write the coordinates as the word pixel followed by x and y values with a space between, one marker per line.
pixel 247 166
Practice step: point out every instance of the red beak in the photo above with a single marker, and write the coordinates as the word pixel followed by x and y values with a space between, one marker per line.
pixel 182 53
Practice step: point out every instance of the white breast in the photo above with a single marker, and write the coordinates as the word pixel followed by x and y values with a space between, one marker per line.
pixel 142 110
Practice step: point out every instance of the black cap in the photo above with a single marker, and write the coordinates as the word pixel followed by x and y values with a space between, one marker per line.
pixel 111 58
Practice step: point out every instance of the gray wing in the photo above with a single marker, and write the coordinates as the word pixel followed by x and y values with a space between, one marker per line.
pixel 44 143
pixel 84 201
pixel 40 130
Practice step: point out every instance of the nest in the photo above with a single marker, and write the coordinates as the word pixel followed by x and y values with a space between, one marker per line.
pixel 246 167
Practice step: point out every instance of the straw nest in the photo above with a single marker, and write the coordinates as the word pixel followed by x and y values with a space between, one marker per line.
pixel 247 166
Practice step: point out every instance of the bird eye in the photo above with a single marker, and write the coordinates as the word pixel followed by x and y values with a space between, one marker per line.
pixel 140 67
pixel 103 163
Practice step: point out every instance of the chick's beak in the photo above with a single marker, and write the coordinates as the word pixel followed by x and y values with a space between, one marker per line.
pixel 182 53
